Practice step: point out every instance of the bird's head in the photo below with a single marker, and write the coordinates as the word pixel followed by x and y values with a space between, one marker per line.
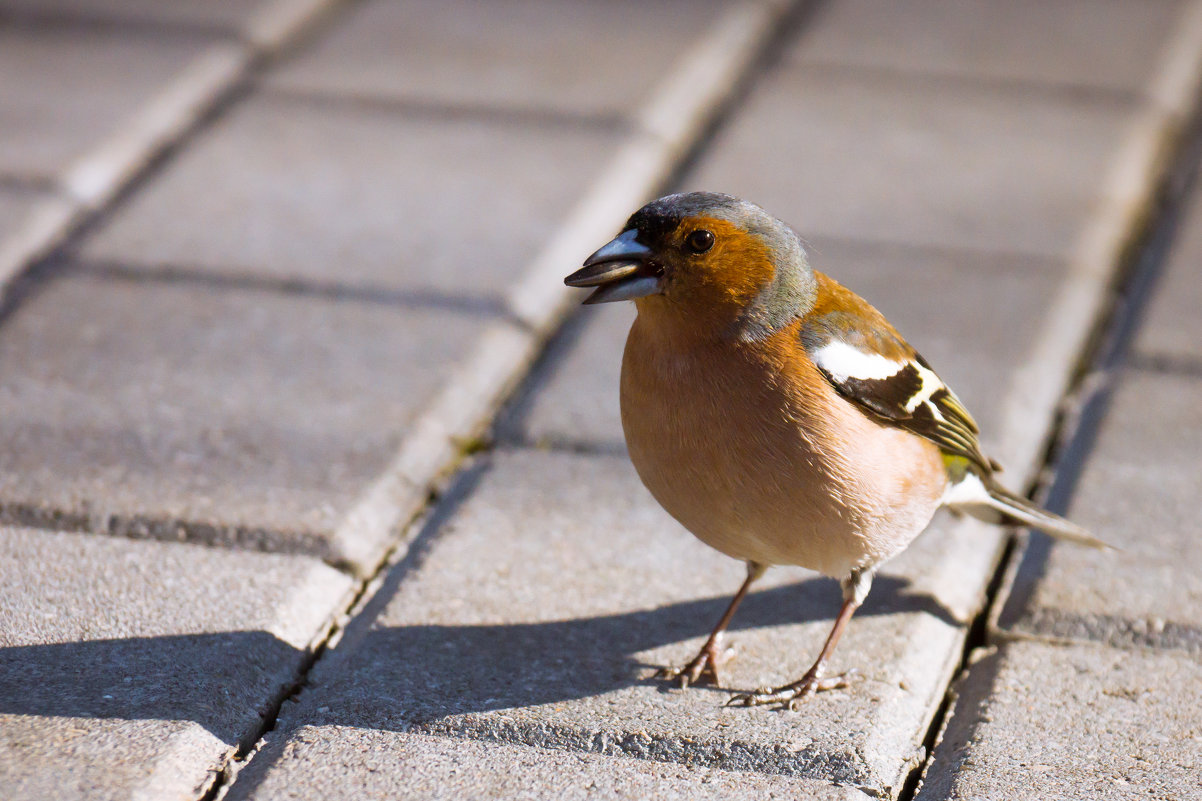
pixel 712 263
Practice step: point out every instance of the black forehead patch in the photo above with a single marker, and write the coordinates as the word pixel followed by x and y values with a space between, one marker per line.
pixel 664 215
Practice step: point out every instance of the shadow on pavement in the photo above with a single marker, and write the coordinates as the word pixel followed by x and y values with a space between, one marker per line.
pixel 395 677
pixel 225 682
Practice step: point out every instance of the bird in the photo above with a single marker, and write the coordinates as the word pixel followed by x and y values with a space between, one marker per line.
pixel 779 417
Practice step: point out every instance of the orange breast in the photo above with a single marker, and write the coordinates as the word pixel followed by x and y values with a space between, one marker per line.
pixel 752 450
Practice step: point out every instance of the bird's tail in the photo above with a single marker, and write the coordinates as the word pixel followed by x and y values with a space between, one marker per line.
pixel 985 499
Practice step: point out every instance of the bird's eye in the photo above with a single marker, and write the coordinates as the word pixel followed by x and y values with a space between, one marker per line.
pixel 699 241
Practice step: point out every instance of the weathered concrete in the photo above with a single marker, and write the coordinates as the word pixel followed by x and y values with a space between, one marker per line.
pixel 219 414
pixel 211 14
pixel 132 669
pixel 442 210
pixel 1037 721
pixel 1139 491
pixel 320 762
pixel 980 167
pixel 66 88
pixel 584 58
pixel 1079 44
pixel 1170 333
pixel 15 206
pixel 571 400
pixel 539 610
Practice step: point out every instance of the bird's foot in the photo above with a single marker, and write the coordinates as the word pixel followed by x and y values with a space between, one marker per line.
pixel 791 696
pixel 702 669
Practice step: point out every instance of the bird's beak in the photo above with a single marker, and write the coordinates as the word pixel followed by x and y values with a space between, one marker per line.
pixel 622 270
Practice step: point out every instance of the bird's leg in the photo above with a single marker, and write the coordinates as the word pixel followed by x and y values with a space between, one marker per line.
pixel 855 588
pixel 705 664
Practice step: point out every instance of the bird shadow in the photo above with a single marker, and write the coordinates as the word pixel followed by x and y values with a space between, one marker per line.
pixel 394 675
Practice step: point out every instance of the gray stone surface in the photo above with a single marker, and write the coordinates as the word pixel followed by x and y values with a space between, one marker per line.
pixel 1139 491
pixel 1110 44
pixel 446 210
pixel 571 399
pixel 976 166
pixel 1036 721
pixel 226 14
pixel 65 90
pixel 1171 329
pixel 217 413
pixel 135 667
pixel 581 57
pixel 539 610
pixel 975 342
pixel 320 762
pixel 15 206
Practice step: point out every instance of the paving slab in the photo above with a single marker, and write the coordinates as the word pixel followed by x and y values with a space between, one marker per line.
pixel 989 331
pixel 968 165
pixel 1171 328
pixel 570 399
pixel 578 57
pixel 213 413
pixel 1112 44
pixel 1139 490
pixel 1037 721
pixel 131 669
pixel 538 611
pixel 15 207
pixel 320 762
pixel 447 210
pixel 66 89
pixel 226 14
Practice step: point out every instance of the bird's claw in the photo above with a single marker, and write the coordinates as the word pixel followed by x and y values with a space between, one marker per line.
pixel 702 669
pixel 791 696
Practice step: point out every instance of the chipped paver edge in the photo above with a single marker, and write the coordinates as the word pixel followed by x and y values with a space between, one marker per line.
pixel 92 181
pixel 668 125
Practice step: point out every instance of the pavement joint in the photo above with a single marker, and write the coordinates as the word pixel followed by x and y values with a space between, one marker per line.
pixel 538 300
pixel 1108 359
pixel 396 522
pixel 459 302
pixel 1105 257
pixel 1013 84
pixel 374 532
pixel 98 177
pixel 525 116
pixel 1165 363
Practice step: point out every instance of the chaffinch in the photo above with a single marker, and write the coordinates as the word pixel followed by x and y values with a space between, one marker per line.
pixel 778 416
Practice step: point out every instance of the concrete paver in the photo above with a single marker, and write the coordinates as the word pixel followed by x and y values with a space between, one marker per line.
pixel 64 89
pixel 184 410
pixel 543 605
pixel 218 14
pixel 994 168
pixel 320 761
pixel 578 57
pixel 974 343
pixel 447 210
pixel 238 349
pixel 1139 491
pixel 15 206
pixel 1171 328
pixel 1037 721
pixel 133 667
pixel 571 399
pixel 1113 44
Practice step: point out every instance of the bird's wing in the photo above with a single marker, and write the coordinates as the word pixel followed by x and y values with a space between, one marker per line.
pixel 868 362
